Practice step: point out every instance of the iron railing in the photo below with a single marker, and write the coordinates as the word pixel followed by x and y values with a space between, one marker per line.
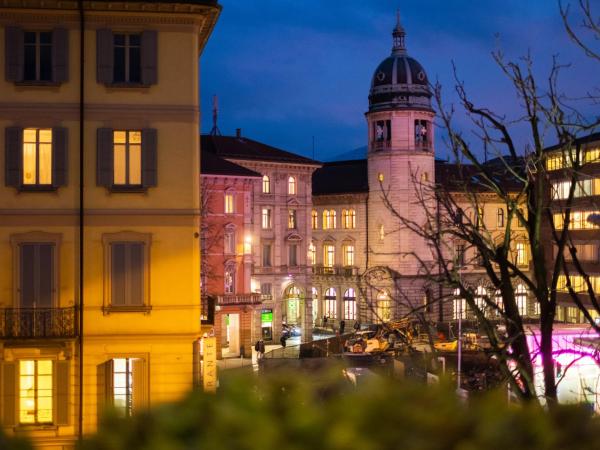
pixel 336 270
pixel 37 323
pixel 238 299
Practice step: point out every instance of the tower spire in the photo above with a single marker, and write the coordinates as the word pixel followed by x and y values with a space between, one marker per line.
pixel 215 129
pixel 398 34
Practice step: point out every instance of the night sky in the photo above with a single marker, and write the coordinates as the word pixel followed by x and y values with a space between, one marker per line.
pixel 285 71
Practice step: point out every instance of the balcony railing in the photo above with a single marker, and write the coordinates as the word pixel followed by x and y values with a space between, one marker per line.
pixel 336 270
pixel 381 145
pixel 38 323
pixel 238 299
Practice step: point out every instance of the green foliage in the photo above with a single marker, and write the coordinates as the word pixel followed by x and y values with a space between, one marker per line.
pixel 312 411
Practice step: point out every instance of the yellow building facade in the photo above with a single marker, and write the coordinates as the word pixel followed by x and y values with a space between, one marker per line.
pixel 130 107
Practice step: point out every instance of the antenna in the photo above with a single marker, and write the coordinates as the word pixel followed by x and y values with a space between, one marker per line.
pixel 215 129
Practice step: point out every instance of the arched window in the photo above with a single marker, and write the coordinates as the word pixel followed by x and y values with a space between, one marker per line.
pixel 348 218
pixel 229 278
pixel 326 219
pixel 266 185
pixel 332 221
pixel 330 303
pixel 459 306
pixel 292 188
pixel 521 299
pixel 381 233
pixel 314 219
pixel 344 217
pixel 384 306
pixel 350 304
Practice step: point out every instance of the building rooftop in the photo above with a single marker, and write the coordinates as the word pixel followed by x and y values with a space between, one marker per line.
pixel 235 147
pixel 212 164
pixel 341 177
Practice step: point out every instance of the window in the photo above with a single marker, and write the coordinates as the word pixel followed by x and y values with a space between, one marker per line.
pixel 127 68
pixel 348 255
pixel 348 218
pixel 332 219
pixel 35 158
pixel 293 255
pixel 384 306
pixel 328 255
pixel 424 177
pixel 127 158
pixel 500 218
pixel 266 289
pixel 127 266
pixel 266 255
pixel 479 218
pixel 459 254
pixel 380 177
pixel 330 303
pixel 314 219
pixel 292 224
pixel 315 305
pixel 480 299
pixel 37 278
pixel 421 133
pixel 266 218
pixel 127 58
pixel 229 278
pixel 229 242
pixel 521 251
pixel 381 233
pixel 350 304
pixel 326 219
pixel 36 57
pixel 312 254
pixel 382 134
pixel 229 203
pixel 266 184
pixel 292 187
pixel 122 384
pixel 521 218
pixel 521 299
pixel 459 306
pixel 36 392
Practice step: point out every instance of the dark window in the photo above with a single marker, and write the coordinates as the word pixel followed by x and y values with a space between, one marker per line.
pixel 127 273
pixel 382 131
pixel 266 255
pixel 293 256
pixel 38 56
pixel 127 59
pixel 36 285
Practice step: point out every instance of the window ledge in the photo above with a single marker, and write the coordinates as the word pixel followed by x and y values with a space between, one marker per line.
pixel 126 309
pixel 124 85
pixel 26 428
pixel 38 83
pixel 125 189
pixel 37 188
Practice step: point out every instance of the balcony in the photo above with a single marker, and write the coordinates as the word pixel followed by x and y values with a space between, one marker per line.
pixel 238 299
pixel 38 323
pixel 335 271
pixel 377 146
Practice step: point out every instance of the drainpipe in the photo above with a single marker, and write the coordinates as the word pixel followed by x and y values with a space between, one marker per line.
pixel 81 203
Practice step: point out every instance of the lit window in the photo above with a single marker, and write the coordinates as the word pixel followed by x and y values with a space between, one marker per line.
pixel 328 255
pixel 332 219
pixel 229 203
pixel 314 219
pixel 479 218
pixel 380 177
pixel 123 386
pixel 350 304
pixel 424 177
pixel 229 279
pixel 292 219
pixel 348 218
pixel 35 392
pixel 266 219
pixel 521 254
pixel 500 216
pixel 37 156
pixel 521 298
pixel 384 307
pixel 348 255
pixel 480 299
pixel 459 306
pixel 127 58
pixel 330 303
pixel 229 242
pixel 292 186
pixel 127 158
pixel 312 254
pixel 38 56
pixel 266 185
pixel 326 219
pixel 381 233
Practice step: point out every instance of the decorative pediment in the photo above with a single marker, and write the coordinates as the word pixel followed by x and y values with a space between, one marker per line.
pixel 292 202
pixel 349 238
pixel 229 227
pixel 329 238
pixel 293 237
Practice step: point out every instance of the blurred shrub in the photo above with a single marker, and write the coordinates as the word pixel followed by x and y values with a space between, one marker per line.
pixel 307 411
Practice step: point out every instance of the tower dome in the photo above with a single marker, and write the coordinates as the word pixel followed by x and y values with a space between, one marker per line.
pixel 399 82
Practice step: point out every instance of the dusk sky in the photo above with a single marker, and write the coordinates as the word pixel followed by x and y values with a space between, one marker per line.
pixel 285 71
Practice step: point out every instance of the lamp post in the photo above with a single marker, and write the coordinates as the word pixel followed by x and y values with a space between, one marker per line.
pixel 459 352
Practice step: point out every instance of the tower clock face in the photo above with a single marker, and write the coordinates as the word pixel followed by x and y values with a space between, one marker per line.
pixel 380 76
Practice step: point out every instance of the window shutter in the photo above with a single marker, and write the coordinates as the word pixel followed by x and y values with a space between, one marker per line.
pixel 104 390
pixel 62 375
pixel 149 57
pixel 60 55
pixel 149 157
pixel 15 54
pixel 140 385
pixel 13 153
pixel 45 275
pixel 27 276
pixel 118 274
pixel 9 394
pixel 135 271
pixel 104 153
pixel 105 56
pixel 60 159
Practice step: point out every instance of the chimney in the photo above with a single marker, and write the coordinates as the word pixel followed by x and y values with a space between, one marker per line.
pixel 238 133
